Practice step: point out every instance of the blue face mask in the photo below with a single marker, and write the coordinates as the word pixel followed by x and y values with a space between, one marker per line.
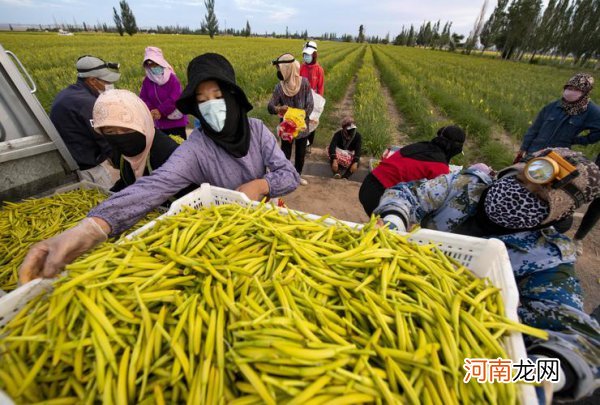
pixel 214 113
pixel 307 58
pixel 157 70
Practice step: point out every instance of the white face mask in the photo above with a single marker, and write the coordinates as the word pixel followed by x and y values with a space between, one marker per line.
pixel 214 112
pixel 108 87
pixel 307 58
pixel 572 95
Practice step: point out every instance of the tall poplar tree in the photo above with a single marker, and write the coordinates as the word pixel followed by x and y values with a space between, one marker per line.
pixel 127 18
pixel 210 24
pixel 118 22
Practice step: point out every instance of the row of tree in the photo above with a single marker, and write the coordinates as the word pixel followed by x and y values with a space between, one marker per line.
pixel 125 22
pixel 430 35
pixel 563 28
pixel 515 28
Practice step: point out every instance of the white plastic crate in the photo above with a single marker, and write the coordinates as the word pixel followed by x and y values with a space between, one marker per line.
pixel 84 184
pixel 484 257
pixel 12 302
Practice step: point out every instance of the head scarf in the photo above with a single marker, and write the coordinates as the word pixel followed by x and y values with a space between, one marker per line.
pixel 509 204
pixel 348 129
pixel 451 139
pixel 234 138
pixel 347 121
pixel 122 108
pixel 235 135
pixel 291 75
pixel 447 144
pixel 584 83
pixel 155 55
pixel 210 66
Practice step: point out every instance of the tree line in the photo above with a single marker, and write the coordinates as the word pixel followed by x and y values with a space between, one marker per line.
pixel 517 29
pixel 430 35
pixel 521 29
pixel 564 28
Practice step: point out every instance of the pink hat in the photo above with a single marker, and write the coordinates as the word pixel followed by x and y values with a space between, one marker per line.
pixel 155 55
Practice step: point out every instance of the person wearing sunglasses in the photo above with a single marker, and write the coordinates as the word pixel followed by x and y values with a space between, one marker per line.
pixel 520 208
pixel 71 114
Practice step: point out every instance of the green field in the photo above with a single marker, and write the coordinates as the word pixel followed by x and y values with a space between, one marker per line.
pixel 494 100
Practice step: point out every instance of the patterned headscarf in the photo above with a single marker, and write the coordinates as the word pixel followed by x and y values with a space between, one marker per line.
pixel 122 108
pixel 509 204
pixel 291 75
pixel 584 83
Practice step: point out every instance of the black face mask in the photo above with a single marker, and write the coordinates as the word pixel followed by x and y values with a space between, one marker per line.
pixel 280 75
pixel 130 144
pixel 350 132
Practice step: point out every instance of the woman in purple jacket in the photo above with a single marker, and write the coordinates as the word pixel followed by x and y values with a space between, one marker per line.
pixel 160 91
pixel 230 151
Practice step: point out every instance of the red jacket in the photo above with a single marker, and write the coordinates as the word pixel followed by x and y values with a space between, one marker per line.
pixel 399 169
pixel 315 76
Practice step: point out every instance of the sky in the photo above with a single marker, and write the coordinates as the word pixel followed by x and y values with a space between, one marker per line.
pixel 317 16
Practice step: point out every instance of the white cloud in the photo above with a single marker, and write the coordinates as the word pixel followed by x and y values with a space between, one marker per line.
pixel 22 3
pixel 272 9
pixel 41 4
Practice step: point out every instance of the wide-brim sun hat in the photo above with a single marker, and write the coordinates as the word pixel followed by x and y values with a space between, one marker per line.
pixel 210 66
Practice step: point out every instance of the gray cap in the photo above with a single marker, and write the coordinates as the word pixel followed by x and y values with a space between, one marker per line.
pixel 91 66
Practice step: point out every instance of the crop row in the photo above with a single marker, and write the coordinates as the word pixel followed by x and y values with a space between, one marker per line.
pixel 453 105
pixel 370 108
pixel 50 59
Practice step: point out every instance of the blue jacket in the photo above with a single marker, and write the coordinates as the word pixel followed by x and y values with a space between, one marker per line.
pixel 542 261
pixel 553 128
pixel 71 114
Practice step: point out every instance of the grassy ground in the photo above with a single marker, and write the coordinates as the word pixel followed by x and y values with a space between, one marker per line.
pixel 494 100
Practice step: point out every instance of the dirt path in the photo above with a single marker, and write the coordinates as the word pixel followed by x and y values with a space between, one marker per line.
pixel 346 106
pixel 333 116
pixel 399 137
pixel 502 136
pixel 588 264
pixel 328 196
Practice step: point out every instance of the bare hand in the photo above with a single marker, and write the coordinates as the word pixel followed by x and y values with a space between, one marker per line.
pixel 155 114
pixel 354 167
pixel 281 110
pixel 334 166
pixel 255 190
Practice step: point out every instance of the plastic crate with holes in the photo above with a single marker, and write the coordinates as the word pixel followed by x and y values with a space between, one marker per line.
pixel 84 184
pixel 81 185
pixel 484 257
